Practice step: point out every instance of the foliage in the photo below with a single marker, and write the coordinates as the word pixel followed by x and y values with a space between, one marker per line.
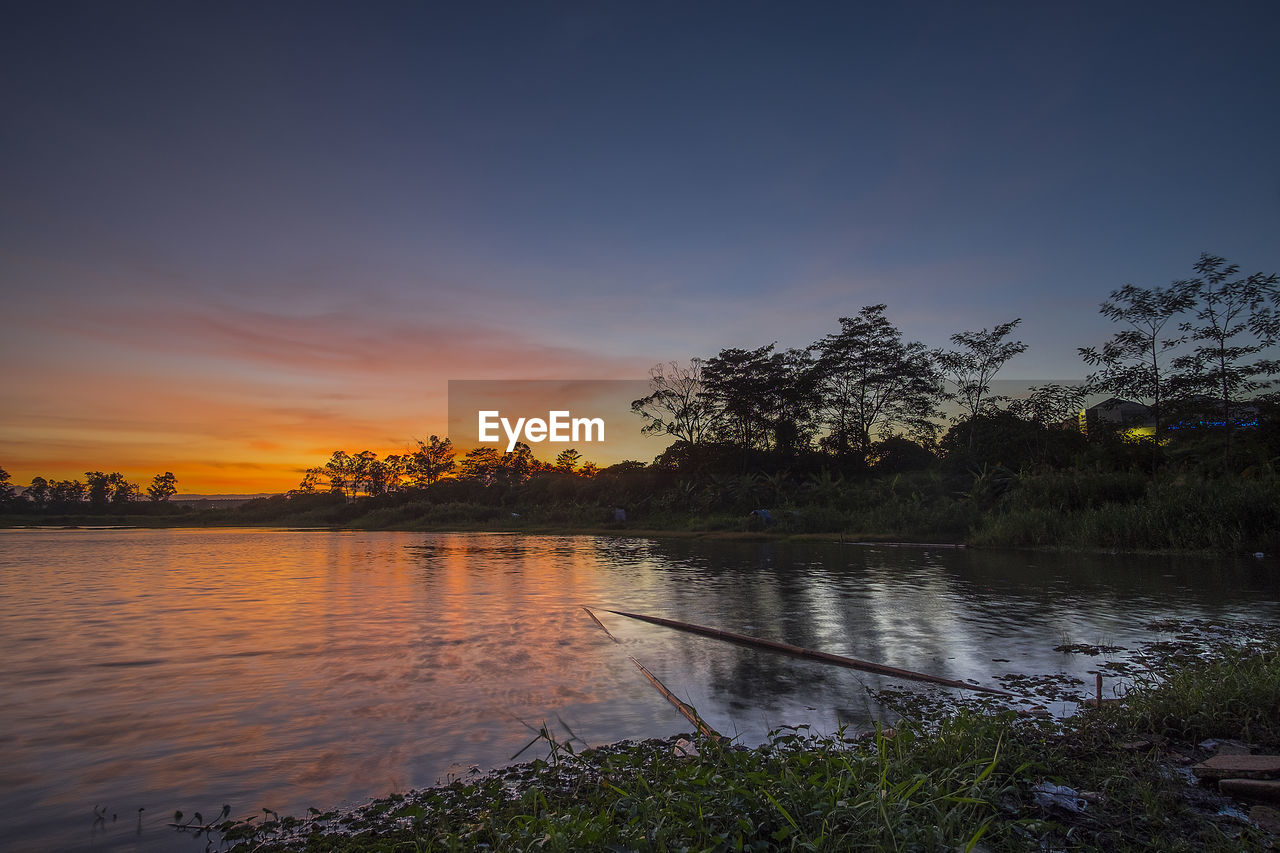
pixel 976 361
pixel 761 399
pixel 840 437
pixel 676 405
pixel 163 487
pixel 1234 323
pixel 1050 405
pixel 432 461
pixel 1130 364
pixel 870 382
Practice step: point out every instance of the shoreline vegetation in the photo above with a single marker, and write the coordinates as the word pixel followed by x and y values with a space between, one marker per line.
pixel 954 772
pixel 1071 510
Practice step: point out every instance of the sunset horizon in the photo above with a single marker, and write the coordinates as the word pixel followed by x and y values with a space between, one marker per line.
pixel 238 239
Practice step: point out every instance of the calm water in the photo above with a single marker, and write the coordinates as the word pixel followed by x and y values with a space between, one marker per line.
pixel 184 669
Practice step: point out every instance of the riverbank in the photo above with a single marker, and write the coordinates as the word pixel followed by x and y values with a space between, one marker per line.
pixel 618 531
pixel 1077 511
pixel 956 774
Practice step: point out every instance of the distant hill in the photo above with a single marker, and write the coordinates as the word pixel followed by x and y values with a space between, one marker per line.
pixel 222 497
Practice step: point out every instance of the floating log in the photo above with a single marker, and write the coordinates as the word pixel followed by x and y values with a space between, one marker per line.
pixel 871 543
pixel 809 654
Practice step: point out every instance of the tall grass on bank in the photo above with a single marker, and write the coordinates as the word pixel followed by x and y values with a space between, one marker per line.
pixel 1185 513
pixel 1235 695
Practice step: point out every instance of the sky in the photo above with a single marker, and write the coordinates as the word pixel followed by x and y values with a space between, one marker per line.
pixel 237 236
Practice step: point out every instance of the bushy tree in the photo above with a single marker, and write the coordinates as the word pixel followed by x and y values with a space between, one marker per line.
pixel 480 465
pixel 38 493
pixel 761 399
pixel 431 461
pixel 870 383
pixel 122 491
pixel 98 488
pixel 163 487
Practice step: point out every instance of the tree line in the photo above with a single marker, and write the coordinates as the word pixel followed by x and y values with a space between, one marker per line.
pixel 99 490
pixel 1197 348
pixel 364 474
pixel 865 398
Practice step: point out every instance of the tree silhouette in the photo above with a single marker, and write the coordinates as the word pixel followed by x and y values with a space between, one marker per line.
pixel 978 359
pixel 568 460
pixel 38 493
pixel 480 465
pixel 1235 322
pixel 431 462
pixel 1131 363
pixel 163 487
pixel 869 382
pixel 676 405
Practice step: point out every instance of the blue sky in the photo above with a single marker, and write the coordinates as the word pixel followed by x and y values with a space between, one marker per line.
pixel 234 234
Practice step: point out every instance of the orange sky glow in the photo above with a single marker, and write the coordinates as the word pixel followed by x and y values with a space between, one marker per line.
pixel 237 401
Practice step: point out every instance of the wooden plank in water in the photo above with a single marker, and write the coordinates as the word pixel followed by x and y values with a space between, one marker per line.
pixel 809 654
pixel 688 713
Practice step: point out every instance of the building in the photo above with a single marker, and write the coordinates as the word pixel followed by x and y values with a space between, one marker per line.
pixel 1134 418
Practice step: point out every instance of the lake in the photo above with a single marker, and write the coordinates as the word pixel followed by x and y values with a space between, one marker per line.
pixel 158 670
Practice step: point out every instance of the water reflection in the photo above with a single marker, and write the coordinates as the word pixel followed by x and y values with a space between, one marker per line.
pixel 188 668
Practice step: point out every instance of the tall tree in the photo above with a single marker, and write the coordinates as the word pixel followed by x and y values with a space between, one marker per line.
pixel 794 397
pixel 368 474
pixel 1132 363
pixel 38 493
pixel 737 387
pixel 163 487
pixel 977 359
pixel 676 405
pixel 67 493
pixel 122 491
pixel 310 479
pixel 480 464
pixel 870 382
pixel 516 467
pixel 342 469
pixel 1234 323
pixel 98 487
pixel 431 462
pixel 761 399
pixel 394 468
pixel 6 487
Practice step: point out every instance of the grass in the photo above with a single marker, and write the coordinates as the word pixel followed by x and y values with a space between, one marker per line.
pixel 952 778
